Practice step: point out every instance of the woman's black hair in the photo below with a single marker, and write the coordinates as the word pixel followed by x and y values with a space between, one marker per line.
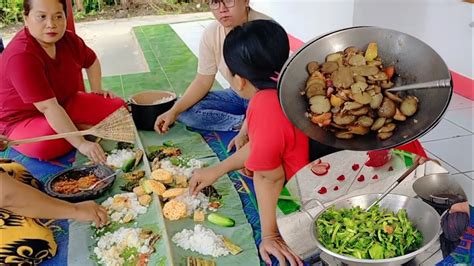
pixel 257 51
pixel 27 6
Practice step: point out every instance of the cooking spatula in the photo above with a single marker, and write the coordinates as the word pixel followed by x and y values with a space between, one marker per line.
pixel 442 83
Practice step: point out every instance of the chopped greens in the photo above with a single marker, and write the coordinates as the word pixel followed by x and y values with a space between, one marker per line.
pixel 180 161
pixel 111 227
pixel 374 234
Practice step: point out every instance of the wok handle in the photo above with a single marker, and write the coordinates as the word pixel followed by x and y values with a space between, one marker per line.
pixel 440 200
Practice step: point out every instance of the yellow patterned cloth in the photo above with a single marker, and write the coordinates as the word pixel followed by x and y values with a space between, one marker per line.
pixel 23 240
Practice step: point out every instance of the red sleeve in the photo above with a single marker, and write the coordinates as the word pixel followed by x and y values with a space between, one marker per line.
pixel 85 53
pixel 28 77
pixel 266 136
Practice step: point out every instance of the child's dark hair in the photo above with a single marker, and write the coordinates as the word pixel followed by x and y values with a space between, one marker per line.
pixel 257 51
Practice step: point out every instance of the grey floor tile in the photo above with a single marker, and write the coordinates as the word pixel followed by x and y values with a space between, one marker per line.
pixel 422 257
pixel 434 248
pixel 444 164
pixel 435 258
pixel 445 129
pixel 470 174
pixel 458 152
pixel 462 117
pixel 459 102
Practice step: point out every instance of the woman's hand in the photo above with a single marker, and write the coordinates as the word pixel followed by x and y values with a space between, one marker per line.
pixel 89 211
pixel 105 93
pixel 276 246
pixel 238 141
pixel 202 178
pixel 165 120
pixel 460 207
pixel 93 151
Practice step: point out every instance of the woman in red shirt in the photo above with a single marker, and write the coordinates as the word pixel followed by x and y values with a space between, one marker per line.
pixel 41 85
pixel 276 150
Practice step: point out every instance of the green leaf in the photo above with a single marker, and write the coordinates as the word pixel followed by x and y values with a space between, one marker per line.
pixel 376 251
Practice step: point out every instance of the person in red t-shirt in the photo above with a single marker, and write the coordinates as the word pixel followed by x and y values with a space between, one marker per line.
pixel 255 53
pixel 41 85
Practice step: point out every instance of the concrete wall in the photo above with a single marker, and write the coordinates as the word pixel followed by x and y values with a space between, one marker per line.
pixel 306 19
pixel 443 24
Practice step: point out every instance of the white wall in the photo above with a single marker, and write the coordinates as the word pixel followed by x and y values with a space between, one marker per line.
pixel 445 25
pixel 442 24
pixel 307 19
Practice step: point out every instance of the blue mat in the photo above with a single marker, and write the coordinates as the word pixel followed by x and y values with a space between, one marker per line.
pixel 218 142
pixel 42 170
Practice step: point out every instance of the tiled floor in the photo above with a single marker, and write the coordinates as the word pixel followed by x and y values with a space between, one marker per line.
pixel 452 141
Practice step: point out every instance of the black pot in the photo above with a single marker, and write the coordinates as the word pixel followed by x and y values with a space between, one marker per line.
pixel 145 110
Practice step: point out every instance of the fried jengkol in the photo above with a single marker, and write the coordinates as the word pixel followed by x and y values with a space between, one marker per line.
pixel 347 94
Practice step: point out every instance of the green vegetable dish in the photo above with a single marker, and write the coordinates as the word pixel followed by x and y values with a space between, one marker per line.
pixel 374 234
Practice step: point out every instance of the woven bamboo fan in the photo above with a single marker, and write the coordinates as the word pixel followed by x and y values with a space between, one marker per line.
pixel 118 126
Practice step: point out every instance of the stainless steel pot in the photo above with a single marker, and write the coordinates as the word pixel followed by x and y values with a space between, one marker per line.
pixel 423 216
pixel 414 61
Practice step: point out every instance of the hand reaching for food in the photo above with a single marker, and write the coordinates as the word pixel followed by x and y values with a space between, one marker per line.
pixel 202 178
pixel 238 141
pixel 164 121
pixel 89 211
pixel 93 151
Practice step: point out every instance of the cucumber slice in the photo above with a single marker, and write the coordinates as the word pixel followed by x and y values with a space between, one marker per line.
pixel 220 220
pixel 128 165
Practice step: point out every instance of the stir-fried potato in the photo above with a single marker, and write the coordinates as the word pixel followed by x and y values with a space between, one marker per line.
pixel 347 94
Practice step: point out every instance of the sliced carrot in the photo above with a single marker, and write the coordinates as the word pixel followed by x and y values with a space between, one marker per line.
pixel 390 71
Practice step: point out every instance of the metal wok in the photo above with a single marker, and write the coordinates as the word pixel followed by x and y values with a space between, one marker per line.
pixel 439 190
pixel 423 217
pixel 414 61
